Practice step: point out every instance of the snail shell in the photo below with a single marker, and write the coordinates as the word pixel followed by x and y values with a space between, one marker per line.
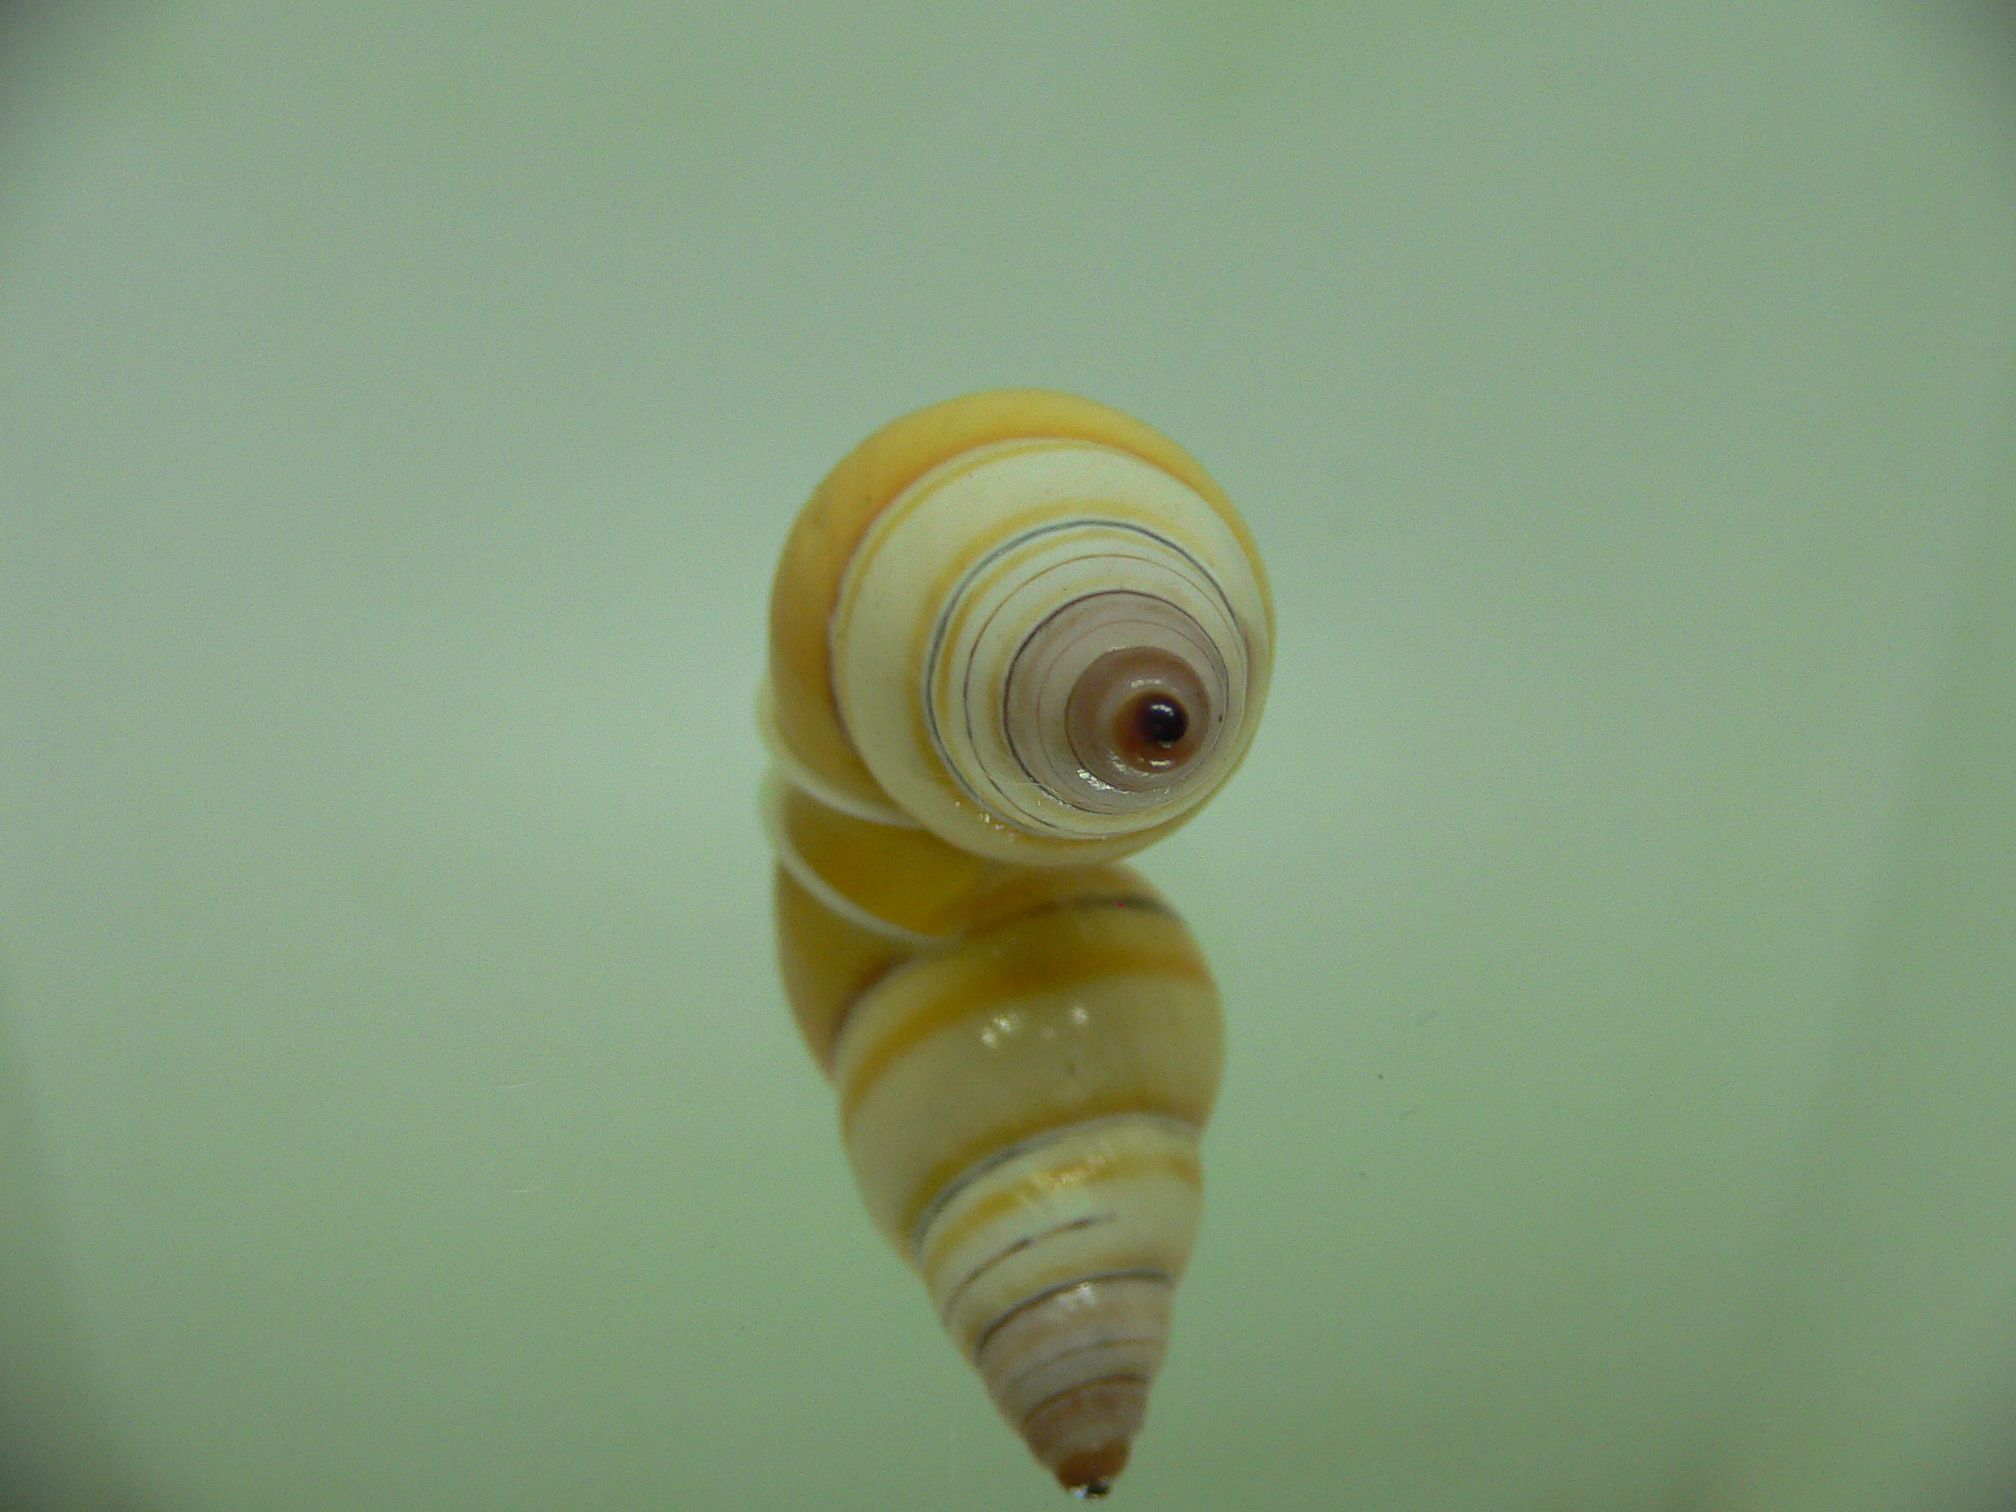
pixel 1025 1059
pixel 1024 621
pixel 1014 636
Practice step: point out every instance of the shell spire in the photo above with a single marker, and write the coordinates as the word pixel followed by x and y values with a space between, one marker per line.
pixel 1014 637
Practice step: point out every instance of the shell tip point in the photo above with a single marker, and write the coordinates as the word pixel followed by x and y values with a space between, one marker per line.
pixel 1089 1474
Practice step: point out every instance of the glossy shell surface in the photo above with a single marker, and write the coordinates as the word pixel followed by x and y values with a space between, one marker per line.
pixel 1012 637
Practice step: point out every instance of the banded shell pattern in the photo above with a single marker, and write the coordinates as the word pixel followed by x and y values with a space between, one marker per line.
pixel 1013 637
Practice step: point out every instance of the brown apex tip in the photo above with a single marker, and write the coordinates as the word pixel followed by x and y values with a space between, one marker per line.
pixel 1083 1434
pixel 1090 1473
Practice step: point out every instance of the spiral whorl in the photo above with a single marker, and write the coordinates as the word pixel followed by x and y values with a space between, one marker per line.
pixel 1024 622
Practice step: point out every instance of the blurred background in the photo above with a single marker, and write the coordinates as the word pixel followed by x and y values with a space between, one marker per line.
pixel 401 407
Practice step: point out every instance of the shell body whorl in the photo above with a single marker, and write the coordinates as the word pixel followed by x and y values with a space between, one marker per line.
pixel 1013 637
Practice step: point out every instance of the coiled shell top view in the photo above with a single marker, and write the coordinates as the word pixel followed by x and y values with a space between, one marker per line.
pixel 1024 621
pixel 1012 637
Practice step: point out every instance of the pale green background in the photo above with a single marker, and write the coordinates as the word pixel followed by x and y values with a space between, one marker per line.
pixel 400 409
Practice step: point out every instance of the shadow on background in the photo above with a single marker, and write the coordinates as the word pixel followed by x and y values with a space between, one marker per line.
pixel 1882 1372
pixel 57 1447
